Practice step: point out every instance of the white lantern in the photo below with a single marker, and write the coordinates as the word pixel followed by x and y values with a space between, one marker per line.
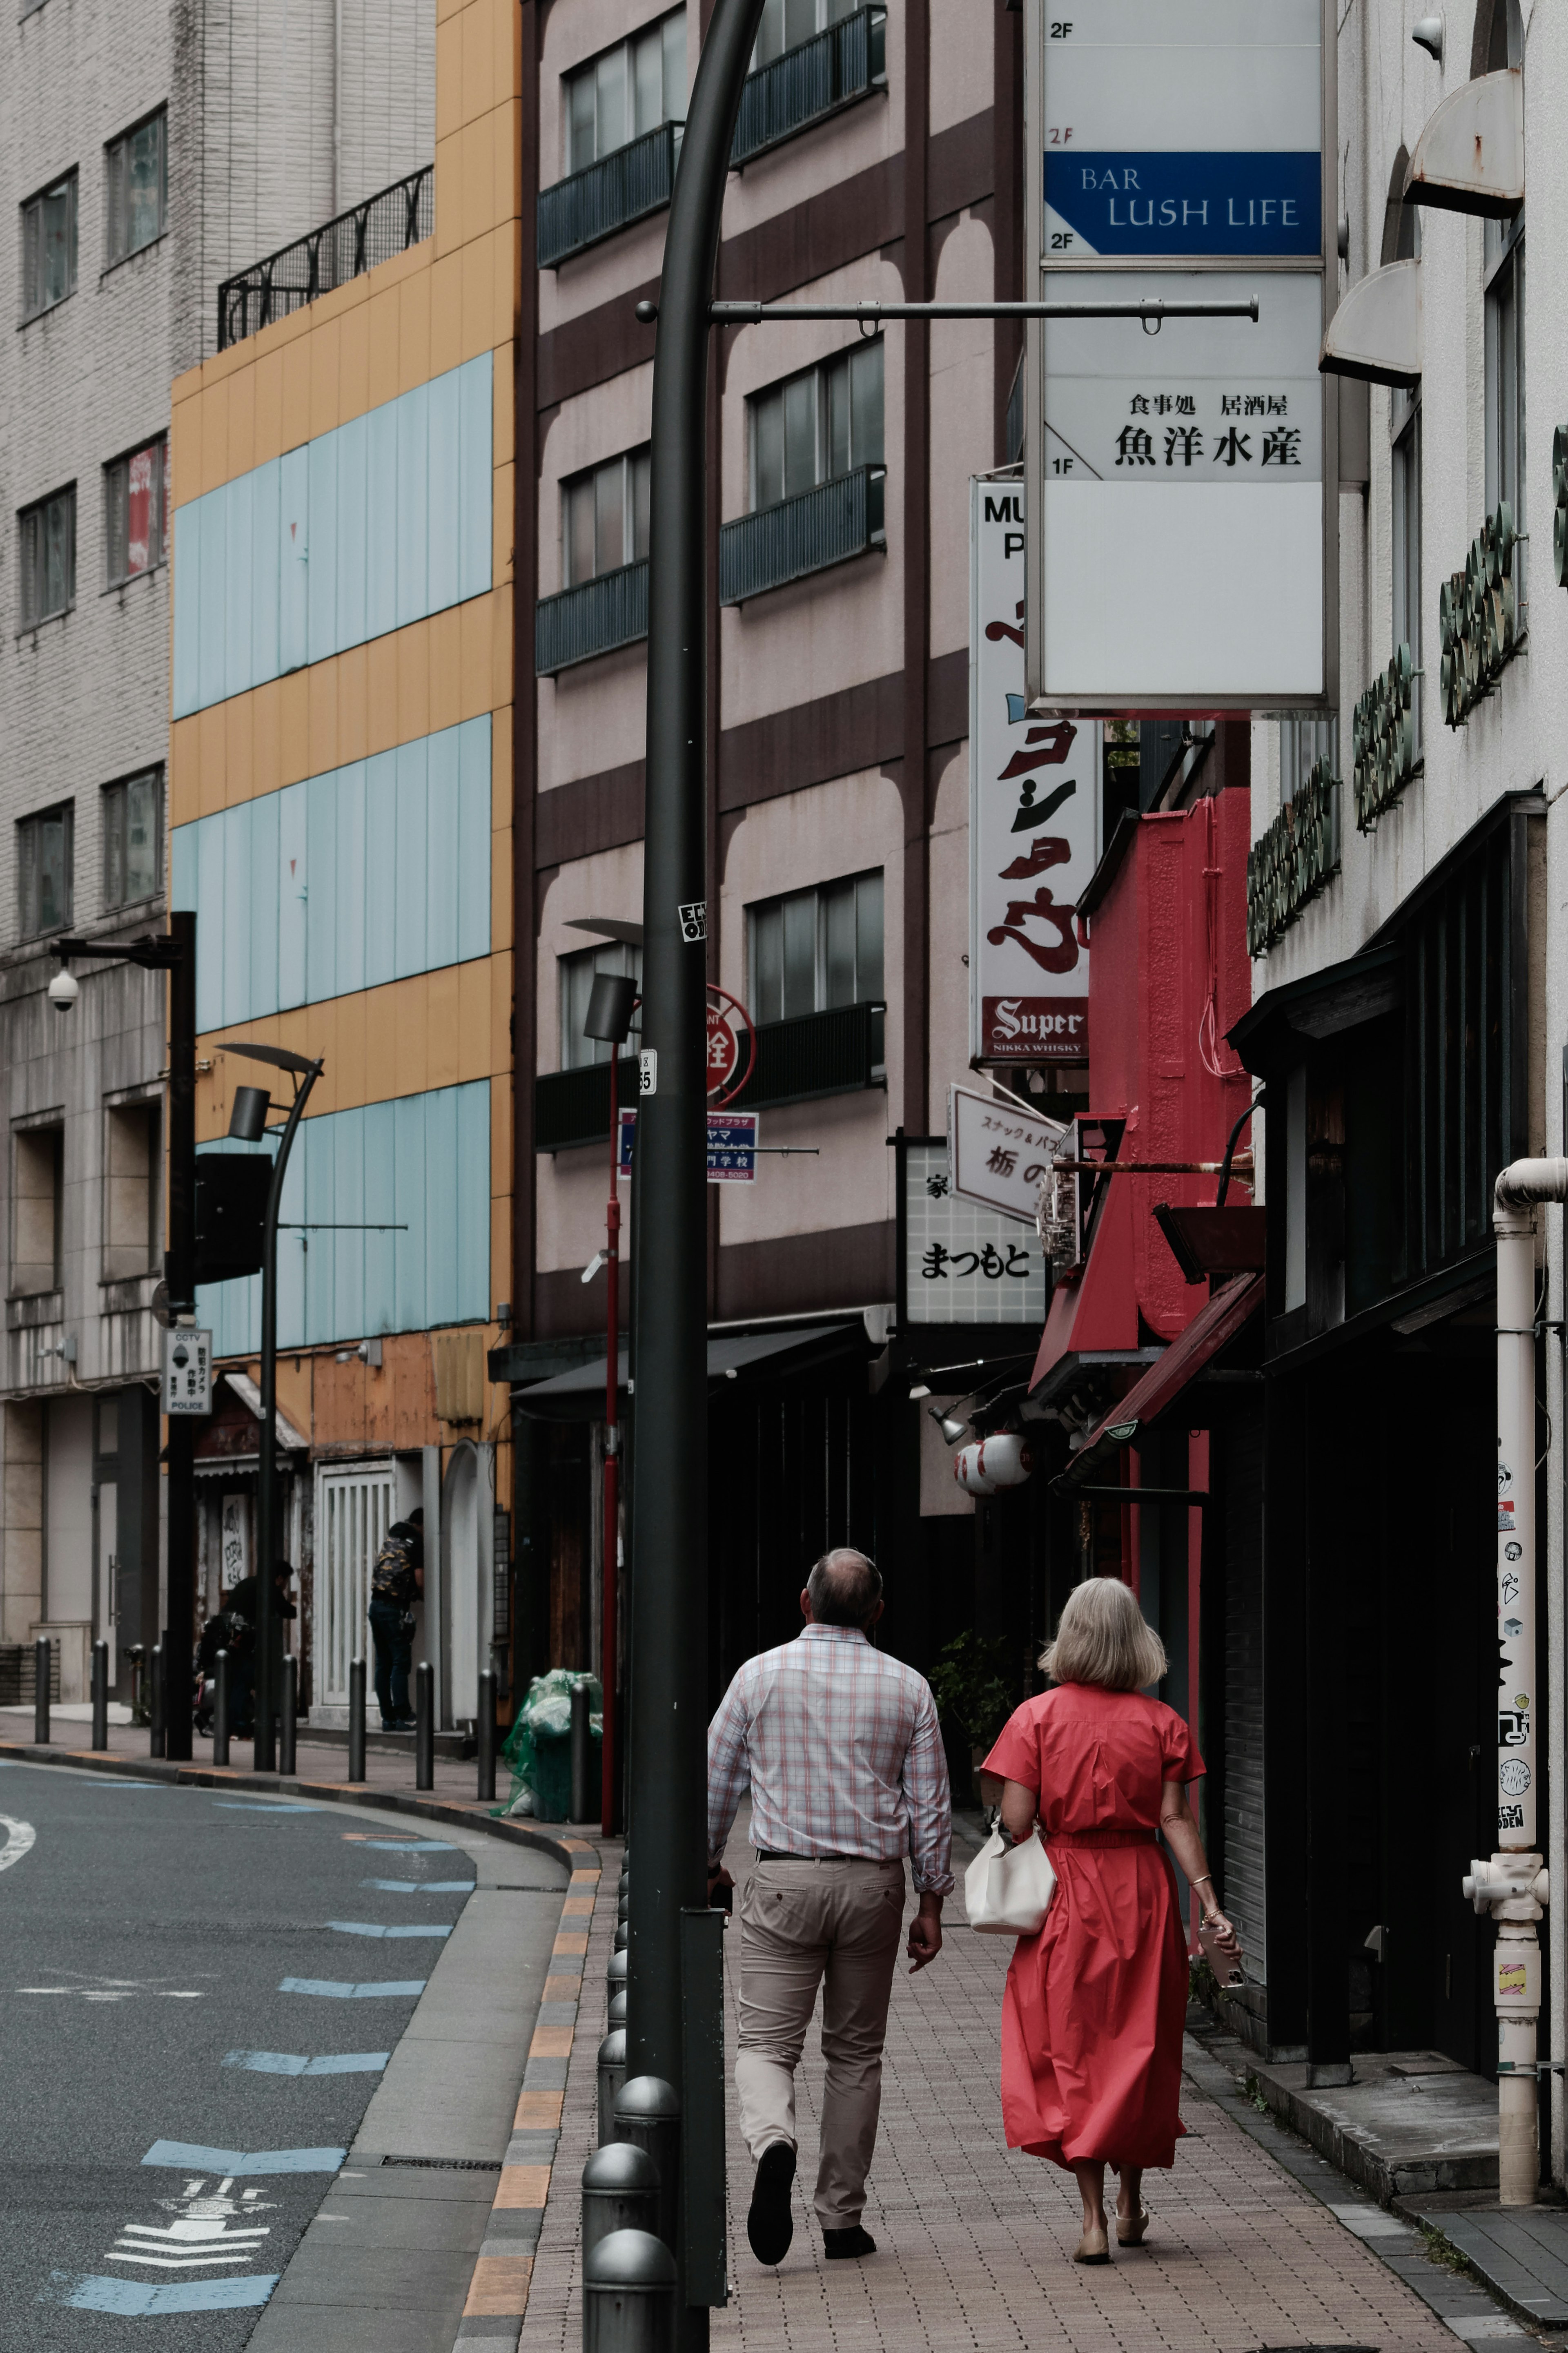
pixel 966 1470
pixel 1005 1459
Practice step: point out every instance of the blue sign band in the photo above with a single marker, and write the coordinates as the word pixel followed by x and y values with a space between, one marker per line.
pixel 1167 204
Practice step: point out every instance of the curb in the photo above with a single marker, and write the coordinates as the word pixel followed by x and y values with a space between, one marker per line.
pixel 575 1853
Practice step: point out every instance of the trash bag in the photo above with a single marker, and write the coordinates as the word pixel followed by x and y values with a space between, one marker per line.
pixel 538 1748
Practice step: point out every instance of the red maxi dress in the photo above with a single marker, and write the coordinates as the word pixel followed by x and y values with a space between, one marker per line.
pixel 1092 2020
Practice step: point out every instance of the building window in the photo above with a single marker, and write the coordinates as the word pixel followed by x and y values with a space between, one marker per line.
pixel 131 1238
pixel 49 246
pixel 604 518
pixel 627 90
pixel 577 973
pixel 46 539
pixel 1505 372
pixel 132 839
pixel 133 512
pixel 1303 741
pixel 44 859
pixel 37 1199
pixel 137 176
pixel 824 422
pixel 812 950
pixel 1406 426
pixel 788 23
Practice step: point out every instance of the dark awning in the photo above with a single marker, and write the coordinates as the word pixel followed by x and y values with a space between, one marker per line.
pixel 579 1394
pixel 1211 1328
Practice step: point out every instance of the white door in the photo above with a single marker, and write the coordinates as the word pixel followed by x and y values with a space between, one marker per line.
pixel 353 1511
pixel 459 1515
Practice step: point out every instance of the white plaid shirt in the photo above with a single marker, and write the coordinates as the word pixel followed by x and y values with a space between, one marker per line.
pixel 840 1746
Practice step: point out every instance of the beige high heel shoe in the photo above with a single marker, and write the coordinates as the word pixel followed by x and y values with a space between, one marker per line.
pixel 1130 2229
pixel 1094 2247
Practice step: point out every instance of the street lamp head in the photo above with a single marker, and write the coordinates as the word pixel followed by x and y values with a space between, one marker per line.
pixel 63 990
pixel 248 1120
pixel 610 1003
pixel 952 1424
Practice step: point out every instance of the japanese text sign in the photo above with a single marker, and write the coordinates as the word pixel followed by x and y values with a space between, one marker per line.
pixel 998 1153
pixel 732 1146
pixel 962 1263
pixel 187 1370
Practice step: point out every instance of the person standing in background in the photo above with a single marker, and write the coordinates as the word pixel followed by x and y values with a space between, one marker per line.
pixel 397 1578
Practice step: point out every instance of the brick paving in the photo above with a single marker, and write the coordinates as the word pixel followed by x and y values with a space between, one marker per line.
pixel 974 2242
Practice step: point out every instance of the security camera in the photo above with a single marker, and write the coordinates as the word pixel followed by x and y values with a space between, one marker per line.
pixel 63 990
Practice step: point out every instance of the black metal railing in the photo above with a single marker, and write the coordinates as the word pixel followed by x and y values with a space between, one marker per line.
pixel 385 224
pixel 812 1054
pixel 573 1106
pixel 833 69
pixel 593 619
pixel 620 188
pixel 801 536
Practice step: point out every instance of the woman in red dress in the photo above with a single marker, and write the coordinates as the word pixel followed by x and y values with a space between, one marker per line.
pixel 1091 2025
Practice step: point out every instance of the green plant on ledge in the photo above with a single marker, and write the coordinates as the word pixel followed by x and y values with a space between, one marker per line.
pixel 973 1688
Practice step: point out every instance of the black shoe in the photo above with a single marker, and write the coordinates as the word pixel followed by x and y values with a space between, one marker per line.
pixel 838 2244
pixel 770 2225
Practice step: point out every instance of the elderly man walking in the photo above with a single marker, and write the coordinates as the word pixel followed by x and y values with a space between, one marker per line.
pixel 840 1746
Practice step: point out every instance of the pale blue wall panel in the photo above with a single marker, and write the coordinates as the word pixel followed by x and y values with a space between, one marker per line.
pixel 353 526
pixel 212 513
pixel 185 883
pixel 293 894
pixel 441 851
pixel 348 1210
pixel 321 902
pixel 263 879
pixel 413 494
pixel 319 1161
pixel 413 1194
pixel 442 1176
pixel 351 895
pixel 445 522
pixel 238 902
pixel 321 637
pixel 187 609
pixel 381 474
pixel 409 923
pixel 293 1258
pixel 265 557
pixel 381 1208
pixel 475 490
pixel 471 1199
pixel 381 869
pixel 209 932
pixel 239 583
pixel 293 560
pixel 474 840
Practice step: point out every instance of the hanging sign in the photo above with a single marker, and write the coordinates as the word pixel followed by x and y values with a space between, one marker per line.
pixel 1182 549
pixel 732 1146
pixel 1034 786
pixel 962 1263
pixel 1000 1154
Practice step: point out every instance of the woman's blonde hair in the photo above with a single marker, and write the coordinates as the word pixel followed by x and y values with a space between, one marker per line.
pixel 1102 1637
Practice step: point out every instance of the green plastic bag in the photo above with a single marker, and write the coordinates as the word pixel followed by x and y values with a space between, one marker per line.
pixel 539 1746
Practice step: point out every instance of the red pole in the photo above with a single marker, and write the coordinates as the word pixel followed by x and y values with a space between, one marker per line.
pixel 610 1799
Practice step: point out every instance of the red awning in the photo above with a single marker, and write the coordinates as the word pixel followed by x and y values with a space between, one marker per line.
pixel 1231 1307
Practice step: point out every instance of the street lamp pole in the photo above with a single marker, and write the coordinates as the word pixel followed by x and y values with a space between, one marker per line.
pixel 248 1124
pixel 610 1003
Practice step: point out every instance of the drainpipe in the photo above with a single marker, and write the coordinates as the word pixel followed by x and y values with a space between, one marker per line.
pixel 1513 1885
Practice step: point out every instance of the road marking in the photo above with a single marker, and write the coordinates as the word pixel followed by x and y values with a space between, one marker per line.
pixel 334 1991
pixel 287 2062
pixel 421 1887
pixel 403 1846
pixel 138 2299
pixel 190 2157
pixel 20 1837
pixel 90 1993
pixel 373 1928
pixel 263 1806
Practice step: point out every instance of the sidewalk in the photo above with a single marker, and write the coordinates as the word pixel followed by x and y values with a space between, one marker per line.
pixel 1256 2241
pixel 322 1761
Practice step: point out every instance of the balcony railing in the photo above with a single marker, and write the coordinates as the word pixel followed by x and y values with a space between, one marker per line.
pixel 827 525
pixel 593 619
pixel 573 1106
pixel 832 70
pixel 813 1054
pixel 385 224
pixel 620 188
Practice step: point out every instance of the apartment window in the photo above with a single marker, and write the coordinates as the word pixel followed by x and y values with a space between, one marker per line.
pixel 604 518
pixel 37 1200
pixel 49 246
pixel 133 512
pixel 824 422
pixel 130 1240
pixel 137 178
pixel 46 541
pixel 788 23
pixel 577 974
pixel 45 849
pixel 132 839
pixel 627 90
pixel 812 950
pixel 1406 426
pixel 1302 742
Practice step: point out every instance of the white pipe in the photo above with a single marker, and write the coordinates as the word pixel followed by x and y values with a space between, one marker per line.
pixel 1513 1886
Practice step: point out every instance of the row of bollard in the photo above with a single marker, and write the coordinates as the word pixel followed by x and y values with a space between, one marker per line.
pixel 630 2190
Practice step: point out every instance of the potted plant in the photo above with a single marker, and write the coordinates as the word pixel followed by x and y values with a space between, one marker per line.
pixel 974 1693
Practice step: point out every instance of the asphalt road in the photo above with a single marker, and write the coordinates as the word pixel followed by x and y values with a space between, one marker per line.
pixel 147 1934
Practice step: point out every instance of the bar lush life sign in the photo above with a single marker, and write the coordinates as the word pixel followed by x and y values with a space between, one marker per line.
pixel 1033 788
pixel 1181 538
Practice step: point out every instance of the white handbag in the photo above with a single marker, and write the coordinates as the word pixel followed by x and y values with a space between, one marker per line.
pixel 1008 1889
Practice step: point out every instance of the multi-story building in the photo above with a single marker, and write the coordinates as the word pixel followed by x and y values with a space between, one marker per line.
pixel 149 160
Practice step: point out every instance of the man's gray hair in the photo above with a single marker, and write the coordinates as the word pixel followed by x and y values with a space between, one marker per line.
pixel 843 1586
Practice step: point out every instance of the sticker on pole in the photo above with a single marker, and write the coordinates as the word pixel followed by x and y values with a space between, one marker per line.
pixel 693 921
pixel 647 1070
pixel 187 1371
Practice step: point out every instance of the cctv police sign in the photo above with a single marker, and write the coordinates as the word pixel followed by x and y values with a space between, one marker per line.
pixel 187 1370
pixel 1184 538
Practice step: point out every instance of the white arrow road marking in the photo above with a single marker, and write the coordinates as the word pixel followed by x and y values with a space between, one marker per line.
pixel 210 2228
pixel 20 1837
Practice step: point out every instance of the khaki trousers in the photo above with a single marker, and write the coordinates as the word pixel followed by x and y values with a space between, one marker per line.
pixel 805 1925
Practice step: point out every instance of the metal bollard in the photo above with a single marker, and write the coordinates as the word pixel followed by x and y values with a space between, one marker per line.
pixel 220 1709
pixel 155 1701
pixel 612 2075
pixel 485 1732
pixel 623 1935
pixel 42 1661
pixel 100 1694
pixel 425 1725
pixel 628 2295
pixel 620 2192
pixel 624 1906
pixel 647 2114
pixel 356 1720
pixel 583 1809
pixel 616 2013
pixel 289 1717
pixel 616 1975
